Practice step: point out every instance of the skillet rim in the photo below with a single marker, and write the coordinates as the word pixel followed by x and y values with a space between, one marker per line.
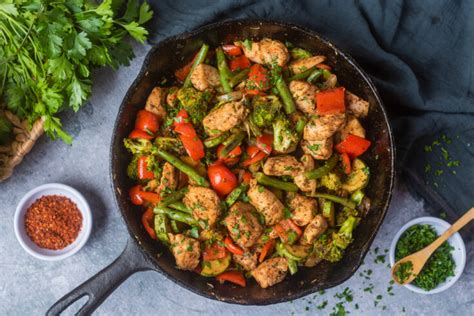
pixel 192 33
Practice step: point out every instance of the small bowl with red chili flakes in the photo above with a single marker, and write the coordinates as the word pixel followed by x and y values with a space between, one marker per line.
pixel 53 222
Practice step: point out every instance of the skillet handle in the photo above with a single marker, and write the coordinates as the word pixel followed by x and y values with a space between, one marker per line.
pixel 101 285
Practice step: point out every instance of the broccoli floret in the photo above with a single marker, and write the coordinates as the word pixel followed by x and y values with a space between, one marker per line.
pixel 138 146
pixel 285 138
pixel 132 168
pixel 194 102
pixel 331 181
pixel 265 108
pixel 169 144
pixel 325 248
pixel 299 53
pixel 343 237
pixel 344 214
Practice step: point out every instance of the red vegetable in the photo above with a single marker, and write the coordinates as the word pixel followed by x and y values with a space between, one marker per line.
pixel 138 196
pixel 223 181
pixel 232 50
pixel 264 143
pixel 258 78
pixel 323 66
pixel 250 161
pixel 235 277
pixel 353 145
pixel 147 221
pixel 254 92
pixel 147 121
pixel 213 252
pixel 252 151
pixel 136 133
pixel 233 156
pixel 330 101
pixel 183 72
pixel 246 177
pixel 285 226
pixel 239 63
pixel 142 167
pixel 229 244
pixel 267 248
pixel 346 163
pixel 191 142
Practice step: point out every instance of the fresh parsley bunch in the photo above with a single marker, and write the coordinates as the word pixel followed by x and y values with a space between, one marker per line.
pixel 48 48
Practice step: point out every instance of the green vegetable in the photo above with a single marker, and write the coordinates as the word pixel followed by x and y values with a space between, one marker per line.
pixel 173 197
pixel 315 74
pixel 49 49
pixel 343 201
pixel 169 143
pixel 6 131
pixel 215 267
pixel 231 96
pixel 404 271
pixel 328 211
pixel 344 214
pixel 288 102
pixel 292 266
pixel 215 140
pixel 300 124
pixel 185 168
pixel 299 53
pixel 194 102
pixel 357 196
pixel 265 109
pixel 331 181
pixel 175 215
pixel 224 72
pixel 235 194
pixel 231 142
pixel 285 138
pixel 439 267
pixel 138 146
pixel 298 252
pixel 162 227
pixel 358 178
pixel 276 183
pixel 302 75
pixel 200 58
pixel 344 237
pixel 174 226
pixel 132 168
pixel 239 77
pixel 180 206
pixel 323 170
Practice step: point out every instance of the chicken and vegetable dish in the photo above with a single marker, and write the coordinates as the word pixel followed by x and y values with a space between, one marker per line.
pixel 247 164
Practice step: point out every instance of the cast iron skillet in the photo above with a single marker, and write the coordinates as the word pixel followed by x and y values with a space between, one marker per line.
pixel 142 253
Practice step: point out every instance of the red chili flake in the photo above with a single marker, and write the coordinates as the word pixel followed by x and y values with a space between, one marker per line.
pixel 53 222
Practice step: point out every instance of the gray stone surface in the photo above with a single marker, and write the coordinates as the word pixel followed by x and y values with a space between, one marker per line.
pixel 29 286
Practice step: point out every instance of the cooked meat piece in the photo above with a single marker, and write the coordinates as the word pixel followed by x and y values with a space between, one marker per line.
pixel 204 202
pixel 270 272
pixel 172 97
pixel 226 116
pixel 320 150
pixel 303 183
pixel 156 102
pixel 303 94
pixel 282 165
pixel 303 209
pixel 266 51
pixel 353 127
pixel 186 251
pixel 243 224
pixel 316 227
pixel 248 260
pixel 266 203
pixel 359 107
pixel 301 65
pixel 205 76
pixel 323 127
pixel 169 178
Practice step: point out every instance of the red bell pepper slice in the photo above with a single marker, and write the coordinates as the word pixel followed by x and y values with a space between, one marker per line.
pixel 142 167
pixel 346 163
pixel 235 277
pixel 239 63
pixel 258 78
pixel 233 156
pixel 265 143
pixel 250 161
pixel 353 145
pixel 330 101
pixel 213 252
pixel 323 66
pixel 183 72
pixel 136 133
pixel 286 225
pixel 147 221
pixel 147 121
pixel 232 247
pixel 267 248
pixel 252 151
pixel 138 196
pixel 246 177
pixel 232 50
pixel 191 142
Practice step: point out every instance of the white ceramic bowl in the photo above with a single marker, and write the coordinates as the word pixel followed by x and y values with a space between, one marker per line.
pixel 458 253
pixel 51 189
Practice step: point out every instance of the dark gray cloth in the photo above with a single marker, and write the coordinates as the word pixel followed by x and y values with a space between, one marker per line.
pixel 420 55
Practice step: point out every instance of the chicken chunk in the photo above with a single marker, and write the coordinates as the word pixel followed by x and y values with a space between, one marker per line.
pixel 156 102
pixel 204 77
pixel 303 183
pixel 169 178
pixel 266 203
pixel 270 272
pixel 204 203
pixel 226 116
pixel 323 127
pixel 359 107
pixel 282 165
pixel 243 224
pixel 320 150
pixel 172 97
pixel 301 65
pixel 303 94
pixel 186 251
pixel 266 51
pixel 353 127
pixel 248 260
pixel 303 209
pixel 316 227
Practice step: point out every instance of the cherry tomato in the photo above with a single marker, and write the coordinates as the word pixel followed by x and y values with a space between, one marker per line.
pixel 142 167
pixel 213 252
pixel 136 133
pixel 232 50
pixel 134 194
pixel 147 121
pixel 264 143
pixel 233 156
pixel 258 78
pixel 222 179
pixel 252 151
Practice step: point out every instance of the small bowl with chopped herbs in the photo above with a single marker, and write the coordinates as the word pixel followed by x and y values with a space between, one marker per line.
pixel 445 265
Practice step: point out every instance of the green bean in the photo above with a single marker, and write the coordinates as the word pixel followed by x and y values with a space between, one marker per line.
pixel 201 56
pixel 185 168
pixel 173 197
pixel 174 226
pixel 216 140
pixel 357 196
pixel 275 183
pixel 239 77
pixel 343 201
pixel 292 266
pixel 176 215
pixel 224 72
pixel 288 103
pixel 235 194
pixel 300 124
pixel 323 170
pixel 231 142
pixel 302 75
pixel 326 74
pixel 315 75
pixel 180 206
pixel 161 226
